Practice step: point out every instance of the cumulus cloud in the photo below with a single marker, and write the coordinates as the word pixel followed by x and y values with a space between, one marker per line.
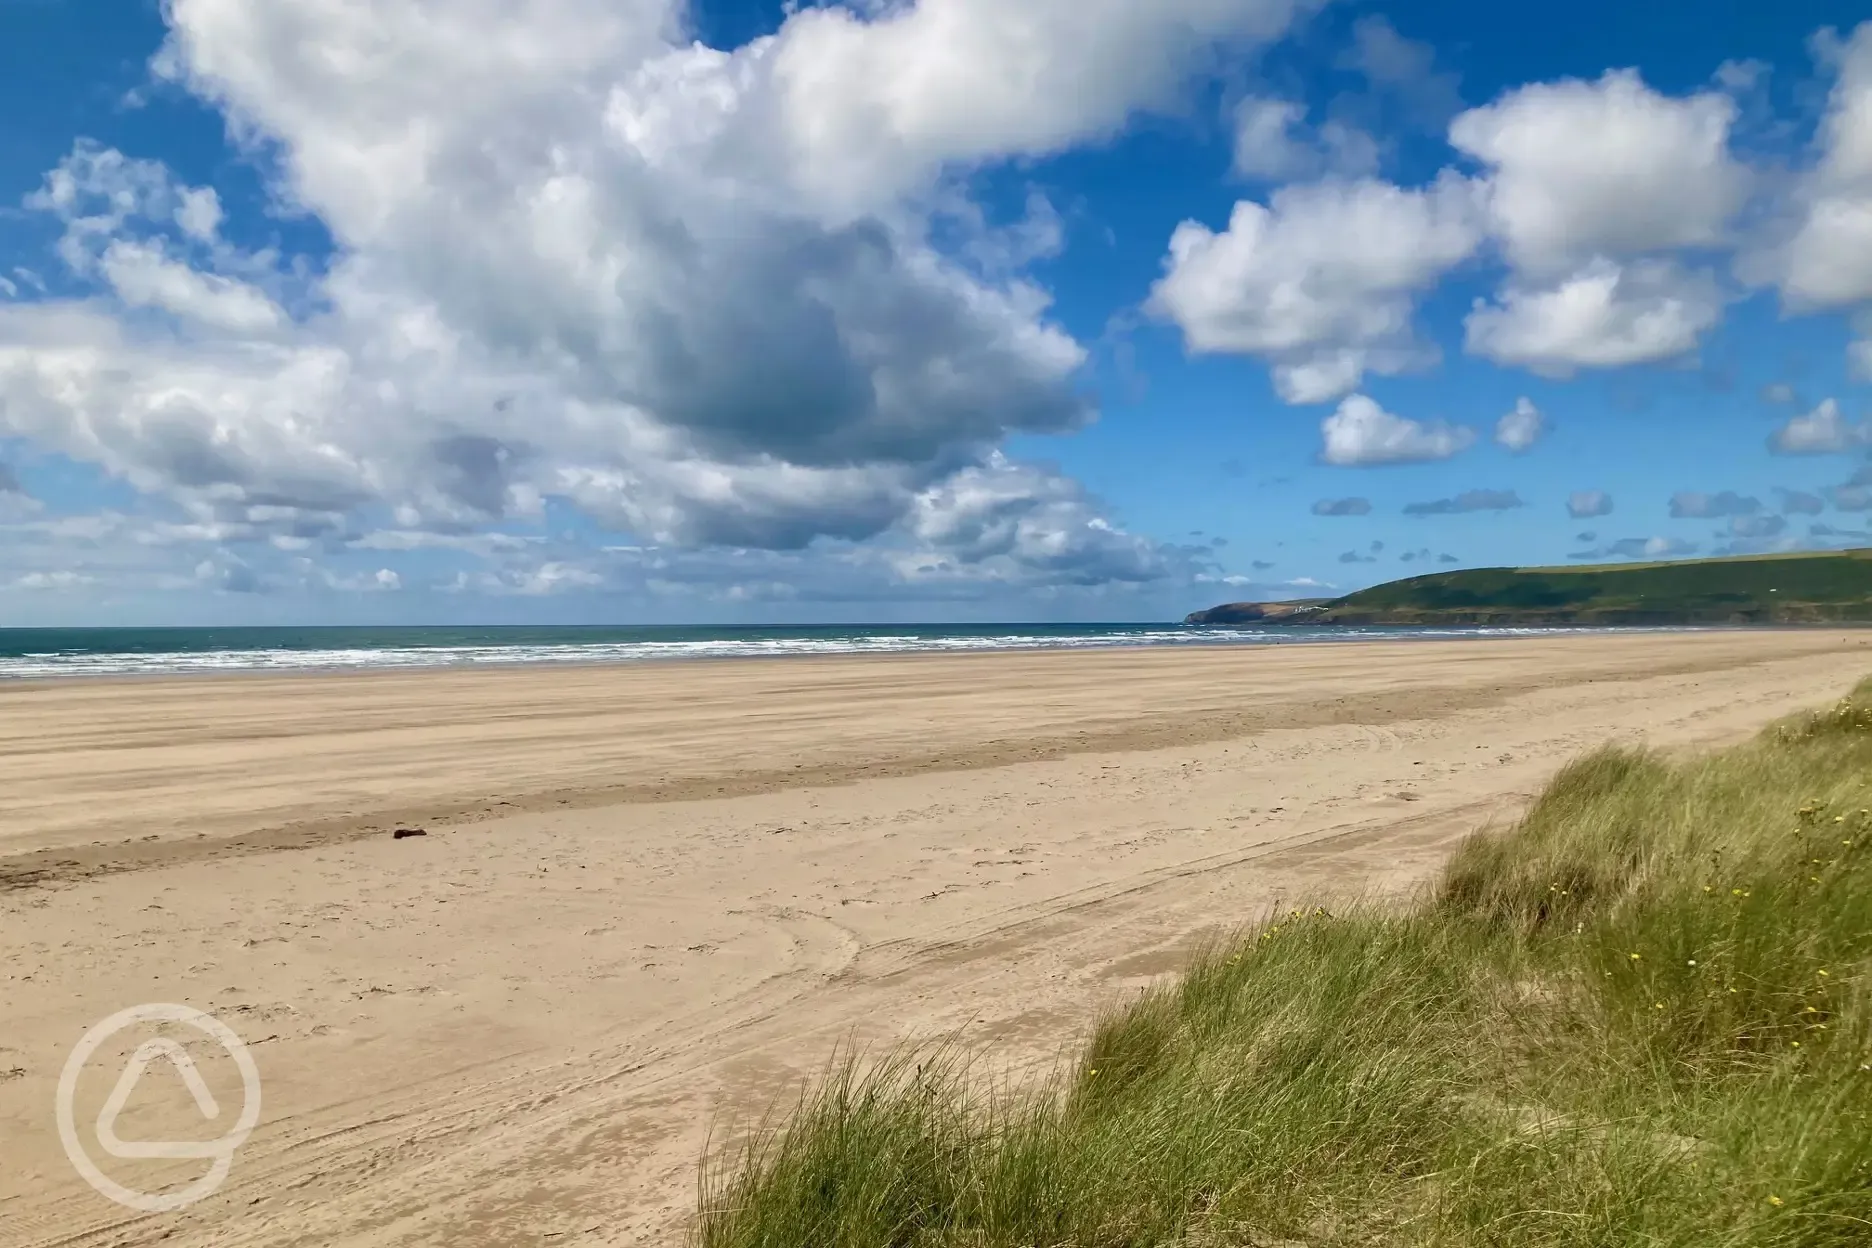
pixel 1342 507
pixel 1605 315
pixel 1024 523
pixel 1823 431
pixel 1321 282
pixel 1360 433
pixel 1590 187
pixel 1521 428
pixel 1605 168
pixel 1468 500
pixel 874 105
pixel 1585 504
pixel 1273 141
pixel 1825 261
pixel 691 292
pixel 1762 525
pixel 1609 201
pixel 1691 505
pixel 144 277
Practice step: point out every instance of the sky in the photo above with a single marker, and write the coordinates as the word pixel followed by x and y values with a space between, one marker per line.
pixel 638 311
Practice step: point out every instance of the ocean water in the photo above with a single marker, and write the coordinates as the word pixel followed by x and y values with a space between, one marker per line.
pixel 61 652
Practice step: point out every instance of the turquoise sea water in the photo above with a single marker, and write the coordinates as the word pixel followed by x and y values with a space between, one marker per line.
pixel 42 652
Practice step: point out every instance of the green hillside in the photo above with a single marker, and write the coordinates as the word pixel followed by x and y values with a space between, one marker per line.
pixel 1815 588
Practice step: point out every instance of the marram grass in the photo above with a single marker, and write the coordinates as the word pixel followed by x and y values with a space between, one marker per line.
pixel 1641 1017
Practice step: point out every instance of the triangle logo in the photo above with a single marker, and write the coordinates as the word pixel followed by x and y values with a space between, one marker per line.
pixel 146 1053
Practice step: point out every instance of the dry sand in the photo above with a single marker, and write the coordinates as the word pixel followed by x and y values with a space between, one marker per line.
pixel 651 898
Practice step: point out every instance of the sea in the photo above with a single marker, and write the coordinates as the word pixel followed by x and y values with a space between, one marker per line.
pixel 70 652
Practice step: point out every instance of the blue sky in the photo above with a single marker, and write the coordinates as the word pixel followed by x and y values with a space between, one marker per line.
pixel 626 310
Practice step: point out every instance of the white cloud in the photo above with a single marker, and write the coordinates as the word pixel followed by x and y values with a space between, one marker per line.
pixel 1591 189
pixel 1821 257
pixel 1823 431
pixel 1584 504
pixel 1690 504
pixel 144 278
pixel 1757 526
pixel 1740 77
pixel 199 213
pixel 1265 143
pixel 691 291
pixel 1321 282
pixel 1342 507
pixel 1827 263
pixel 873 107
pixel 1025 524
pixel 1582 170
pixel 1467 501
pixel 1361 433
pixel 1657 547
pixel 1521 428
pixel 1606 315
pixel 1274 142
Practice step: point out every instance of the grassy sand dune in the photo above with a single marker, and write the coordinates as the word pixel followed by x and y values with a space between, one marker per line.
pixel 1640 1017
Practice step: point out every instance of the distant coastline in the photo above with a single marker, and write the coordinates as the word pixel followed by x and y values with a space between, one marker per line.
pixel 1822 588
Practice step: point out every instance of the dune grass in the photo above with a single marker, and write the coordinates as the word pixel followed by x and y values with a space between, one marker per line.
pixel 1641 1017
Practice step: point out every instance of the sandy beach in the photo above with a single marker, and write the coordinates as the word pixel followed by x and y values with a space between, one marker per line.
pixel 650 899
